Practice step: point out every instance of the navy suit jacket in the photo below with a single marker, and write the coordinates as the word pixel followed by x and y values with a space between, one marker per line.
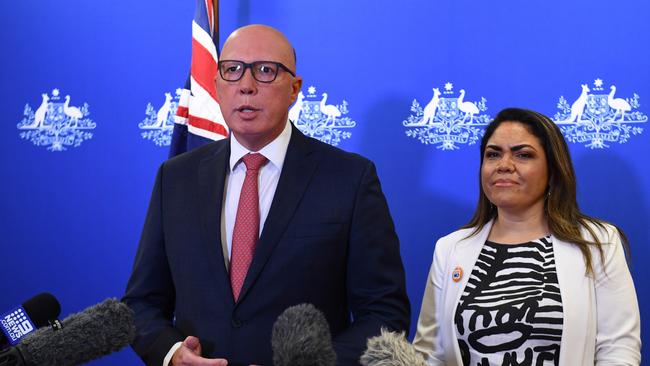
pixel 328 240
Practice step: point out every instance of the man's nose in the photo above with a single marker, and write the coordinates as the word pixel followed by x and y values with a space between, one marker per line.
pixel 247 83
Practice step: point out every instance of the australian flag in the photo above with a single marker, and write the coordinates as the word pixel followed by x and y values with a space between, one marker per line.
pixel 198 119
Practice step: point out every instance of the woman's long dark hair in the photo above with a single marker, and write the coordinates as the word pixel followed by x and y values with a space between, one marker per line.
pixel 565 220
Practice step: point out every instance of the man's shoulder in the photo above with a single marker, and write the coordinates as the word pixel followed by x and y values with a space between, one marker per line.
pixel 336 155
pixel 193 157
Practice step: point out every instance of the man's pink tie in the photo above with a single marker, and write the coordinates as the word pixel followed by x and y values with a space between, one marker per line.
pixel 247 224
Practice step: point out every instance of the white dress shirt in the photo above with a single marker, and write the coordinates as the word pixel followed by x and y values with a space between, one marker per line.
pixel 268 178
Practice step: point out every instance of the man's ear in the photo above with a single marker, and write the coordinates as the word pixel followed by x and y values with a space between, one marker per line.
pixel 296 85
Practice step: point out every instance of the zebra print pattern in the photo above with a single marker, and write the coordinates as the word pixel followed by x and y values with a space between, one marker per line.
pixel 511 310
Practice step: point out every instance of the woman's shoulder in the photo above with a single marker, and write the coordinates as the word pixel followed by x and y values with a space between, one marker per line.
pixel 611 247
pixel 453 238
pixel 602 231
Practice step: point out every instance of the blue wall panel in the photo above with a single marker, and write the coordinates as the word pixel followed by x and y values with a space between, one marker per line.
pixel 72 219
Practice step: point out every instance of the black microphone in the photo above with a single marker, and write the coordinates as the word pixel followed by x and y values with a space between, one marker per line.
pixel 85 336
pixel 391 349
pixel 301 337
pixel 37 312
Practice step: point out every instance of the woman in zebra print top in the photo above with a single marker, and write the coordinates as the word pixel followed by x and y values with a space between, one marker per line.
pixel 530 280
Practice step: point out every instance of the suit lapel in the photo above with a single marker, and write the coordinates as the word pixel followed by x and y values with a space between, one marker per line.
pixel 576 293
pixel 465 255
pixel 298 169
pixel 212 176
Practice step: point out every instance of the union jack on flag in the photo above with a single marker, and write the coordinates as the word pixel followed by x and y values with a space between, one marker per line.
pixel 198 118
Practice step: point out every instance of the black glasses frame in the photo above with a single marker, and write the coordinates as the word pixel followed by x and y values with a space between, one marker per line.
pixel 253 72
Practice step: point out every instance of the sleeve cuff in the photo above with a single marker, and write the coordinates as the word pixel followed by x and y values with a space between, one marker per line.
pixel 168 358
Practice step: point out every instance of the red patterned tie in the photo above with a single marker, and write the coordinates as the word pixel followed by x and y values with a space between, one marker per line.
pixel 247 224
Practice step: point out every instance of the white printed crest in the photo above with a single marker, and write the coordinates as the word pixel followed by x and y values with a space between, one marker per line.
pixel 57 124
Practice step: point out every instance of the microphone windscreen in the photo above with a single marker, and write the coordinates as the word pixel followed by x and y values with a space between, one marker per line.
pixel 391 349
pixel 301 337
pixel 90 334
pixel 42 308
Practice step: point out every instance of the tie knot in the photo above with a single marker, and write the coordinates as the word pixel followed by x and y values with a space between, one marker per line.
pixel 254 161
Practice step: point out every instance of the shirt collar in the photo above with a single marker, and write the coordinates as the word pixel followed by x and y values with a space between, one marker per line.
pixel 275 151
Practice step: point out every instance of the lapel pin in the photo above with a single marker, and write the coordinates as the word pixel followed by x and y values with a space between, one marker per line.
pixel 457 274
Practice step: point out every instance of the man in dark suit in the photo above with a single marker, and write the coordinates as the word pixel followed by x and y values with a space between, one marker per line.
pixel 240 229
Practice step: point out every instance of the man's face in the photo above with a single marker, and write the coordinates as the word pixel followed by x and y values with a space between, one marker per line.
pixel 256 112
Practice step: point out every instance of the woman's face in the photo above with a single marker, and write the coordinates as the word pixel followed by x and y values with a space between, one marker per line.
pixel 514 173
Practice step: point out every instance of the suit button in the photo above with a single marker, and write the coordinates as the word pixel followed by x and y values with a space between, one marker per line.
pixel 236 323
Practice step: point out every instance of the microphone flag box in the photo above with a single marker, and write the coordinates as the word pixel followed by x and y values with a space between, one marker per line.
pixel 15 325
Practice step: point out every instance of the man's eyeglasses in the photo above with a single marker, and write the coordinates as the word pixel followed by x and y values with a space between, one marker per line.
pixel 263 71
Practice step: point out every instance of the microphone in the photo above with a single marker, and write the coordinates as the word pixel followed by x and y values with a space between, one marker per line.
pixel 99 330
pixel 301 337
pixel 391 349
pixel 20 321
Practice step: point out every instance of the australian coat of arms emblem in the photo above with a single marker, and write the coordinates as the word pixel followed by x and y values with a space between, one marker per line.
pixel 447 120
pixel 598 116
pixel 159 124
pixel 56 123
pixel 319 119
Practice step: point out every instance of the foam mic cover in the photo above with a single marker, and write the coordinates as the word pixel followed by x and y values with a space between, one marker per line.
pixel 391 349
pixel 301 337
pixel 90 334
pixel 41 310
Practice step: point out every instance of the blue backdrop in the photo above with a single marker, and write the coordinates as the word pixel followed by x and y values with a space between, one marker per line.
pixel 75 190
